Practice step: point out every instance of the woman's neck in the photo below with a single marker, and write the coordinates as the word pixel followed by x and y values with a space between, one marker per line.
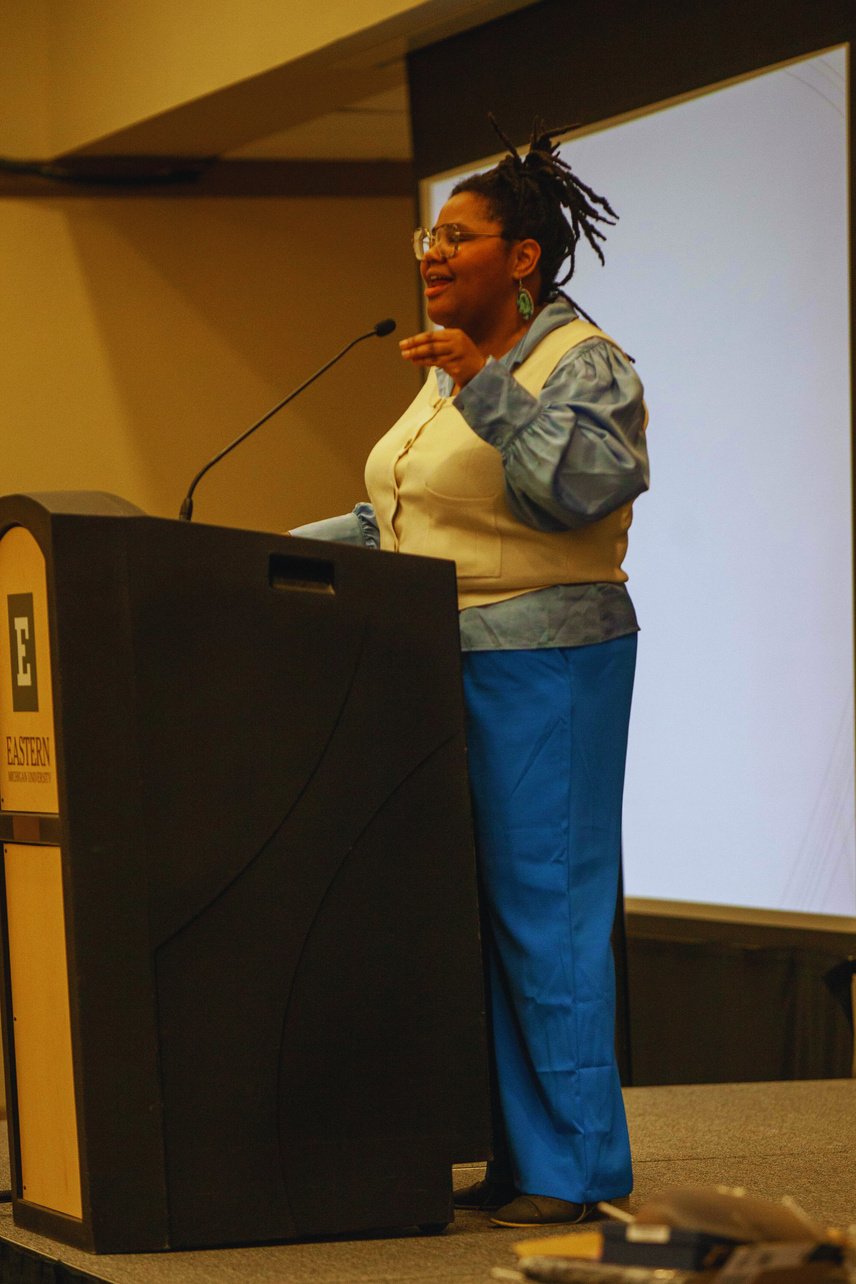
pixel 502 339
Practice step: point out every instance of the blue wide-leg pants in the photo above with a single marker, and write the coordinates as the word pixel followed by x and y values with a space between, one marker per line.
pixel 547 742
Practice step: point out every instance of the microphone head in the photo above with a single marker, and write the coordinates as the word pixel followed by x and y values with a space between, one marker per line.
pixel 384 327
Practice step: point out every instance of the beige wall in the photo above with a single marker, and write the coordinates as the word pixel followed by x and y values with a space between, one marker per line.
pixel 25 94
pixel 141 335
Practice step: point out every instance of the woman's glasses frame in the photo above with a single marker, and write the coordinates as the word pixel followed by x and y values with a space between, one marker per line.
pixel 446 239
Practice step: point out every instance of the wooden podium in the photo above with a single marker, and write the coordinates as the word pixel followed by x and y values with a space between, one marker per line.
pixel 241 974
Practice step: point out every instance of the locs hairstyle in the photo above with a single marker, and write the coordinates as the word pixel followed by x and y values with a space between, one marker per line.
pixel 539 196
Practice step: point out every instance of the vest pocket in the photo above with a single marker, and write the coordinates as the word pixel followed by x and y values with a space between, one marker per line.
pixel 465 531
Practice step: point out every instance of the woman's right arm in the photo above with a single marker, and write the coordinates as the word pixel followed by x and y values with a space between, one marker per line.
pixel 358 527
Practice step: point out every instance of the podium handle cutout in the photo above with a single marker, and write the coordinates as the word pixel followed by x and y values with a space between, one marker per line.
pixel 301 574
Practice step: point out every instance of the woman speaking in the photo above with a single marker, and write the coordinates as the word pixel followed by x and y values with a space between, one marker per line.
pixel 519 460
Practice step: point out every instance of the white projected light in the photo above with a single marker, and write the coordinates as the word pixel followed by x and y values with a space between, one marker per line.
pixel 727 280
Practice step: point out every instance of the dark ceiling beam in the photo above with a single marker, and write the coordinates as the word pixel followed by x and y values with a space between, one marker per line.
pixel 184 176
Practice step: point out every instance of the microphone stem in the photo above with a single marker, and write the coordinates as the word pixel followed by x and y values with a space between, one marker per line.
pixel 186 511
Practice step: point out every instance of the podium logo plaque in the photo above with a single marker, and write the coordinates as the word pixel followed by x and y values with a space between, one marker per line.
pixel 28 780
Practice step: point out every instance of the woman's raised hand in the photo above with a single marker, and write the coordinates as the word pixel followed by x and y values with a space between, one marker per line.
pixel 451 350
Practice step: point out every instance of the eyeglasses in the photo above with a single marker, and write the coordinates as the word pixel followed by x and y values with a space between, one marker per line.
pixel 445 238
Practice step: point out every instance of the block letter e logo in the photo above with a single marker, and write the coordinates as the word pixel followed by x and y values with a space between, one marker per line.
pixel 22 650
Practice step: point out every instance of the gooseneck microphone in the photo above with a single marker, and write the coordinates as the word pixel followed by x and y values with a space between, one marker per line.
pixel 381 329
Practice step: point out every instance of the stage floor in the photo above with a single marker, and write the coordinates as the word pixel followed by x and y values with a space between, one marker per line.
pixel 774 1139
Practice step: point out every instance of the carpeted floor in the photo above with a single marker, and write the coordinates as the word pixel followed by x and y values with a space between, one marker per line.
pixel 772 1138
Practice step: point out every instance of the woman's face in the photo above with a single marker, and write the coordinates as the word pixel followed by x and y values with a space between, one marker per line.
pixel 477 287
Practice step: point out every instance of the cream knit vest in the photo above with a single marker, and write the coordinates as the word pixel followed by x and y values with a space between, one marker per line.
pixel 438 490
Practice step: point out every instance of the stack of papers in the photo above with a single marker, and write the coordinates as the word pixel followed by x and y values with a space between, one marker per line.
pixel 694 1235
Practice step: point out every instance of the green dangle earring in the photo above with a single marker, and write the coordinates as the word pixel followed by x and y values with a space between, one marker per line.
pixel 525 302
